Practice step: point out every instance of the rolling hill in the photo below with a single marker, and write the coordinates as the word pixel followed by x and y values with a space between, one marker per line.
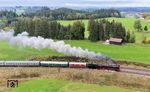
pixel 127 22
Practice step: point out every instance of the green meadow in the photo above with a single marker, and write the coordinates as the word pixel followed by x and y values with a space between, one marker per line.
pixel 136 52
pixel 129 52
pixel 64 86
pixel 127 22
pixel 8 52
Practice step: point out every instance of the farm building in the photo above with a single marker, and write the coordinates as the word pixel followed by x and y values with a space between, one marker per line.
pixel 116 41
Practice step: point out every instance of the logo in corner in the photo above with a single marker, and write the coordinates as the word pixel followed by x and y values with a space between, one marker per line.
pixel 12 83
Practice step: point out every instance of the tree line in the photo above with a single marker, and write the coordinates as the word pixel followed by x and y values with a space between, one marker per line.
pixel 61 13
pixel 8 17
pixel 101 30
pixel 71 14
pixel 8 14
pixel 49 29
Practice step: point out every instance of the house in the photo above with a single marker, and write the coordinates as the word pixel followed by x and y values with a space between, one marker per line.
pixel 116 41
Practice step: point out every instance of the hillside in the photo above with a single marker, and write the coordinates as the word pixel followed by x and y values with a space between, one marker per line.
pixel 127 22
pixel 129 52
pixel 64 86
pixel 8 52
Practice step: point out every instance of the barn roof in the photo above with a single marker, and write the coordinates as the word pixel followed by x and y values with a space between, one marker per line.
pixel 119 40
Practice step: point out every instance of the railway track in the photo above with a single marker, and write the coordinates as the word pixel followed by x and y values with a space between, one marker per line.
pixel 135 71
pixel 73 65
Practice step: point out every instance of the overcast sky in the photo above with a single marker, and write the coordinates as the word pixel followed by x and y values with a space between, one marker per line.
pixel 77 3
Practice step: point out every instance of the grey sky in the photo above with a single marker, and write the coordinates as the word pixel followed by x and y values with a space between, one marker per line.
pixel 77 3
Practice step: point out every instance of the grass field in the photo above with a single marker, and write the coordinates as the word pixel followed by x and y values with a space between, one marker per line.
pixel 8 52
pixel 127 22
pixel 129 52
pixel 103 79
pixel 64 86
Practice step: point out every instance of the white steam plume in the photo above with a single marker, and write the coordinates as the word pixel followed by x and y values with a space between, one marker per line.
pixel 40 43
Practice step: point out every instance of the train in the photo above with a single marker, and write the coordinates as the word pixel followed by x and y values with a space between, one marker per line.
pixel 113 67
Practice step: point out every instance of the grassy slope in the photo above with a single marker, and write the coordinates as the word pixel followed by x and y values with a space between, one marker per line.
pixel 130 52
pixel 8 52
pixel 126 52
pixel 64 86
pixel 127 22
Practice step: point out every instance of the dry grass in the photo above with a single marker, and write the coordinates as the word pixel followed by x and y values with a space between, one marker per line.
pixel 79 59
pixel 134 64
pixel 79 75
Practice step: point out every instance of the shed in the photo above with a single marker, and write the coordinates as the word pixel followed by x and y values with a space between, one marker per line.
pixel 116 41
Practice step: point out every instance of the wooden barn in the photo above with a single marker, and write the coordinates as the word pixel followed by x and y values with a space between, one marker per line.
pixel 116 41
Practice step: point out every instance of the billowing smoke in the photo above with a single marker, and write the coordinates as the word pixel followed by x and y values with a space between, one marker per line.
pixel 39 43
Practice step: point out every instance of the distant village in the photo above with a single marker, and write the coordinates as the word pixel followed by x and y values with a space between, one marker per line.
pixel 137 15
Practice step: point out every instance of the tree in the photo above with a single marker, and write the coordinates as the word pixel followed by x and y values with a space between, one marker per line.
pixel 2 25
pixel 127 39
pixel 137 25
pixel 101 31
pixel 41 27
pixel 64 33
pixel 77 30
pixel 132 38
pixel 91 24
pixel 94 30
pixel 145 28
pixel 18 26
pixel 106 31
pixel 121 32
pixel 54 28
pixel 144 39
pixel 117 30
pixel 113 28
pixel 28 26
pixel 37 27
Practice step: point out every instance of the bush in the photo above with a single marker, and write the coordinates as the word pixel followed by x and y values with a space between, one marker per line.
pixel 146 40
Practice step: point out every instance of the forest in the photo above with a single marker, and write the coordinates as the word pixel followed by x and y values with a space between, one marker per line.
pixel 62 13
pixel 43 22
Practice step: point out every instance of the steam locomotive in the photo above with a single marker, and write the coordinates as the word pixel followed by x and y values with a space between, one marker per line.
pixel 113 67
